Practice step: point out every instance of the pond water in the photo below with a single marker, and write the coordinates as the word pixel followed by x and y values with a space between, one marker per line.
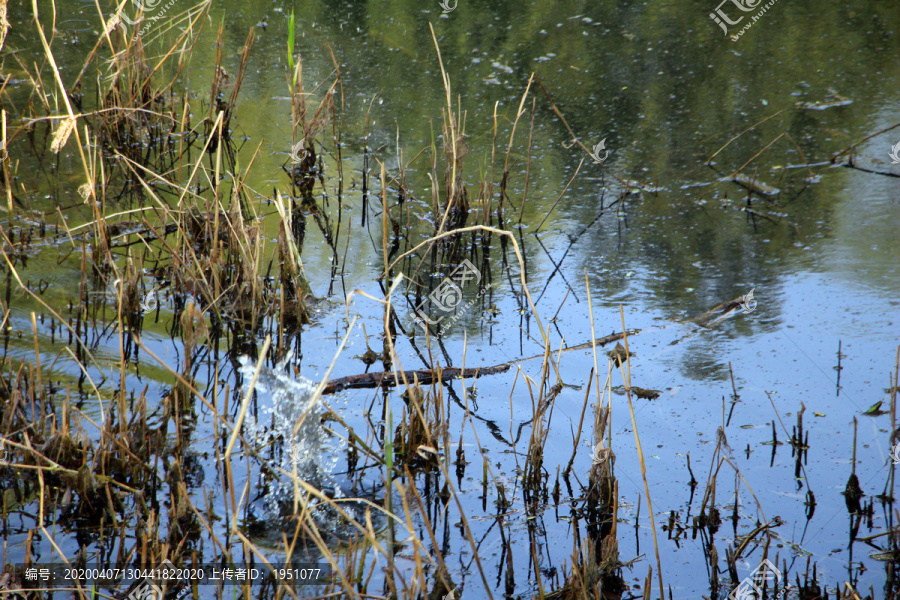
pixel 657 230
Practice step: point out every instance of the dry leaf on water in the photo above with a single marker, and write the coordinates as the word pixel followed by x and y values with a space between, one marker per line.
pixel 4 23
pixel 62 134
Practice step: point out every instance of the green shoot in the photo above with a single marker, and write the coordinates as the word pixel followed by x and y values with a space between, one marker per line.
pixel 290 42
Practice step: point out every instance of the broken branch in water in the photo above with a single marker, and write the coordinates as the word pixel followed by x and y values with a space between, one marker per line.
pixel 717 311
pixel 850 165
pixel 426 376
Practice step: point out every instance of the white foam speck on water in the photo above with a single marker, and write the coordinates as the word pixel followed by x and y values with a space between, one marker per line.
pixel 312 452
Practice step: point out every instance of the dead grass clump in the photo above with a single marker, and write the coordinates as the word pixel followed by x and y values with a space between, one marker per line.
pixel 535 474
pixel 413 443
pixel 135 119
pixel 306 125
